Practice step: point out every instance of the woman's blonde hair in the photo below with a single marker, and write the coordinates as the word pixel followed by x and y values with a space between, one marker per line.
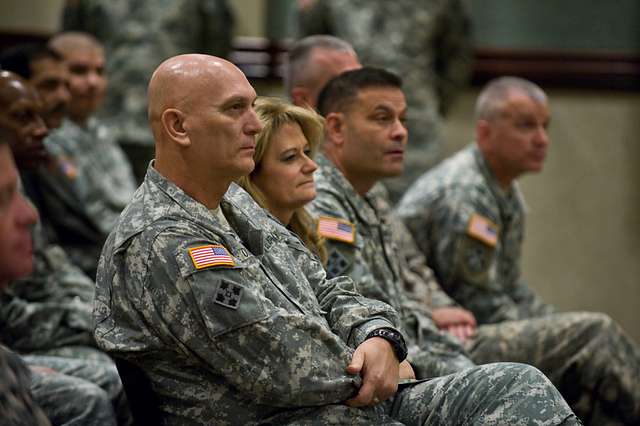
pixel 275 113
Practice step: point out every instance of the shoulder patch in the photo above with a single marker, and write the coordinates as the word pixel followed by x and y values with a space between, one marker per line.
pixel 210 255
pixel 337 264
pixel 336 229
pixel 67 168
pixel 483 229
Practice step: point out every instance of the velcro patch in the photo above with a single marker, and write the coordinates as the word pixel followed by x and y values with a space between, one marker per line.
pixel 228 294
pixel 483 229
pixel 336 229
pixel 67 168
pixel 210 255
pixel 337 264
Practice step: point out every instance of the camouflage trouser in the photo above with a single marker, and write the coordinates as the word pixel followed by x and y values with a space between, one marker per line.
pixel 494 394
pixel 82 391
pixel 594 364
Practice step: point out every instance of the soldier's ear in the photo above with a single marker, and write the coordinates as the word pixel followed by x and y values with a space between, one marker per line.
pixel 483 131
pixel 335 128
pixel 173 124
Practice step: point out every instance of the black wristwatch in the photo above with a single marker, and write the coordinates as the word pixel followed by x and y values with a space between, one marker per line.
pixel 393 337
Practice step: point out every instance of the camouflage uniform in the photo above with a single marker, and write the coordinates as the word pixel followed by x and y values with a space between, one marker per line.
pixel 378 274
pixel 17 407
pixel 50 313
pixel 137 37
pixel 245 337
pixel 587 355
pixel 80 392
pixel 426 42
pixel 51 308
pixel 103 178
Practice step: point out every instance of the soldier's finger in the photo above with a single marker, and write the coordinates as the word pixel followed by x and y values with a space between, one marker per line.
pixel 355 366
pixel 364 397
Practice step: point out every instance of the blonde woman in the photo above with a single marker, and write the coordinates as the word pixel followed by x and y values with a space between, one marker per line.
pixel 282 181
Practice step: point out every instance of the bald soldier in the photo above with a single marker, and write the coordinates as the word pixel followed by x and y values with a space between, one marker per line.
pixel 198 287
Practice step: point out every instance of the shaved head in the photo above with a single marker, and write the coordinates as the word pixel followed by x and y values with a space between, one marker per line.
pixel 202 118
pixel 20 109
pixel 180 82
pixel 11 87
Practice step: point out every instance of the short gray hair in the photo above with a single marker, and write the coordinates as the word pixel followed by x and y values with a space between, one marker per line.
pixel 496 92
pixel 300 53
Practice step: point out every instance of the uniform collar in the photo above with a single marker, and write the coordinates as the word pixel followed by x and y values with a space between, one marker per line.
pixel 333 180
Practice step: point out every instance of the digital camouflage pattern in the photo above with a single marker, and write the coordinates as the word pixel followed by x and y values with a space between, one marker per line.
pixel 586 355
pixel 483 278
pixel 17 407
pixel 52 307
pixel 137 37
pixel 372 262
pixel 47 317
pixel 99 171
pixel 262 341
pixel 79 392
pixel 427 43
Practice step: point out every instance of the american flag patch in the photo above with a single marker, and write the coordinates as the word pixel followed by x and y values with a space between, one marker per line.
pixel 336 229
pixel 67 168
pixel 483 229
pixel 210 255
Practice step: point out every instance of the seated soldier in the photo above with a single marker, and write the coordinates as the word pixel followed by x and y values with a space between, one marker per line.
pixel 57 315
pixel 90 181
pixel 364 112
pixel 200 288
pixel 16 219
pixel 467 217
pixel 49 310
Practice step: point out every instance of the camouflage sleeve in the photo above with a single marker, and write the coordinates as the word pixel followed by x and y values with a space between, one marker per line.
pixel 467 266
pixel 454 52
pixel 18 406
pixel 30 326
pixel 350 316
pixel 50 308
pixel 217 23
pixel 418 279
pixel 244 329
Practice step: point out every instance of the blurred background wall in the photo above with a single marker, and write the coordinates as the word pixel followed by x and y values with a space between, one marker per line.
pixel 582 247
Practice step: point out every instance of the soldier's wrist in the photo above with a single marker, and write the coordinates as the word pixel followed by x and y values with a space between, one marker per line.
pixel 394 338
